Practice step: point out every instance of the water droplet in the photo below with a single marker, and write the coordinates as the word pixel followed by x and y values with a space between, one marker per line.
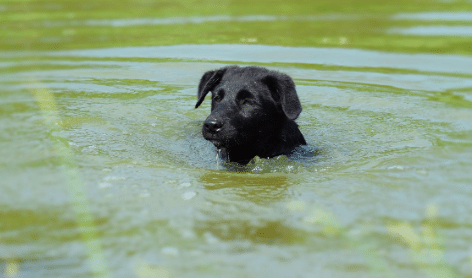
pixel 185 184
pixel 104 185
pixel 189 195
pixel 170 251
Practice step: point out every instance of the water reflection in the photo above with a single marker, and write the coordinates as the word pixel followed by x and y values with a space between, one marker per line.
pixel 437 30
pixel 255 188
pixel 390 149
pixel 280 54
pixel 435 16
pixel 434 31
pixel 270 232
pixel 126 22
pixel 229 216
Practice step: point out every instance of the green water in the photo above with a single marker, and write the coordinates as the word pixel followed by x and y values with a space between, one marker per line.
pixel 104 172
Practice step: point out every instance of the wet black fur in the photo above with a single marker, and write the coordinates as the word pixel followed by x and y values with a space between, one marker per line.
pixel 252 112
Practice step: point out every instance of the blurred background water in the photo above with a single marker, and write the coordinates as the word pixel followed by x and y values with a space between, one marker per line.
pixel 104 172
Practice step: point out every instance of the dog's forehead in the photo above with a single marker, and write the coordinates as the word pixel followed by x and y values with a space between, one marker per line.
pixel 235 83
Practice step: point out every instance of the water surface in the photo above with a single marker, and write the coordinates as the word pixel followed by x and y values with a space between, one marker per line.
pixel 104 172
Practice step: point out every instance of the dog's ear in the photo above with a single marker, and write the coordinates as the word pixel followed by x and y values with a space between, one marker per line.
pixel 282 89
pixel 208 82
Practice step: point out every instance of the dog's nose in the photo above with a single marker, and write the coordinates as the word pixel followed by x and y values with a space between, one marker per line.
pixel 213 125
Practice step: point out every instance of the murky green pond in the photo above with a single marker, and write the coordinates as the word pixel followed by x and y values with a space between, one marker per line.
pixel 104 172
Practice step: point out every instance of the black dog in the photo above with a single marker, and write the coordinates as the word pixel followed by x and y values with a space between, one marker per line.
pixel 252 113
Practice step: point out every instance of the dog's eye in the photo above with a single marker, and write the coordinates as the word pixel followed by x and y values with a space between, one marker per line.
pixel 217 98
pixel 244 102
pixel 244 98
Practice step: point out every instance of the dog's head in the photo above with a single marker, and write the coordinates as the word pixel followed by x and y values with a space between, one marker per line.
pixel 248 106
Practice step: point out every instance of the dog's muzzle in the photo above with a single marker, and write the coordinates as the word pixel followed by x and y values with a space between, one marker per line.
pixel 212 126
pixel 211 131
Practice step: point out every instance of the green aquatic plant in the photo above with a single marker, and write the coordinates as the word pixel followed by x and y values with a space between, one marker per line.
pixel 144 270
pixel 425 247
pixel 11 267
pixel 331 227
pixel 88 231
